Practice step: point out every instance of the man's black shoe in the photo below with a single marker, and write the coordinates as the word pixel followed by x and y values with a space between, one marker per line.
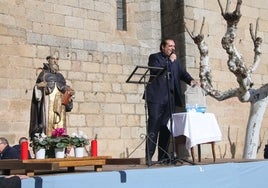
pixel 164 161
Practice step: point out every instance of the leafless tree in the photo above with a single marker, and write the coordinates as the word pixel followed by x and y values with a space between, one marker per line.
pixel 244 92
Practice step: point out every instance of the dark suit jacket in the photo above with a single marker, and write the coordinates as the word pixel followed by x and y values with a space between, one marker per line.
pixel 156 91
pixel 17 147
pixel 11 182
pixel 9 153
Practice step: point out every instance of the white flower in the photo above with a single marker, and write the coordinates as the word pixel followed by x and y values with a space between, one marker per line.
pixel 43 135
pixel 79 139
pixel 40 136
pixel 74 135
pixel 79 134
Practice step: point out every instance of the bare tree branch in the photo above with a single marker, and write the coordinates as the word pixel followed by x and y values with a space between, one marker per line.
pixel 219 2
pixel 258 98
pixel 257 46
pixel 205 72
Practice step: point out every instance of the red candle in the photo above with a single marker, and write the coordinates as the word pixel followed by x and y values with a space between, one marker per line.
pixel 94 148
pixel 24 150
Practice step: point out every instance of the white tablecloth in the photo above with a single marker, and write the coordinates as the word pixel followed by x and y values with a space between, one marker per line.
pixel 197 127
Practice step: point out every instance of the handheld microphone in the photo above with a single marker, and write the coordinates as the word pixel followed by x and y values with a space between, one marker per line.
pixel 173 58
pixel 173 51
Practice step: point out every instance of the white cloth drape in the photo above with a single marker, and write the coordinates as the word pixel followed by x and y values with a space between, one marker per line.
pixel 197 127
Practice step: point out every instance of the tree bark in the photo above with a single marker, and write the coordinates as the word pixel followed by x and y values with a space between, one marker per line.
pixel 244 92
pixel 257 110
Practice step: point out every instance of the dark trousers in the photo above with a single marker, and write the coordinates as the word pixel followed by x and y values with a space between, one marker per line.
pixel 265 155
pixel 158 116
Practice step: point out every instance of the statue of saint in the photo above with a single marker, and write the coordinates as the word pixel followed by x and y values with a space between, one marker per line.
pixel 51 99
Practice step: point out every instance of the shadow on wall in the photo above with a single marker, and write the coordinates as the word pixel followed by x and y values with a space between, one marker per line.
pixel 232 145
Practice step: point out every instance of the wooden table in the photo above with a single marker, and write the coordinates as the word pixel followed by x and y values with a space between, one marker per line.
pixel 52 164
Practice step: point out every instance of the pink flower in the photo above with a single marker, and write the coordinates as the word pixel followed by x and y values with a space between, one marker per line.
pixel 59 132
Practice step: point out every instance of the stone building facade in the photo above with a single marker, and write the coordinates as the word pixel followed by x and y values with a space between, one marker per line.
pixel 96 59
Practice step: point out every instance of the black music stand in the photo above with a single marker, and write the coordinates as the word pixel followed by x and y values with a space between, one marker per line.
pixel 143 75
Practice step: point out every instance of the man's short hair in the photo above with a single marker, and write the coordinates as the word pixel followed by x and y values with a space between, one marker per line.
pixel 4 140
pixel 51 56
pixel 164 43
pixel 48 57
pixel 22 138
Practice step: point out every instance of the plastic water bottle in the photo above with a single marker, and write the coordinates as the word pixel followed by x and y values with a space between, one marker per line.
pixel 195 99
pixel 190 108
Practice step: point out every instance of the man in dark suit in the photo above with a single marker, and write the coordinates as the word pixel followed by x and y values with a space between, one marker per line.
pixel 162 94
pixel 18 146
pixel 6 151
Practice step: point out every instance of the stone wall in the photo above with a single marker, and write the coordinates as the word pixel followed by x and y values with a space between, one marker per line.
pixel 232 115
pixel 96 60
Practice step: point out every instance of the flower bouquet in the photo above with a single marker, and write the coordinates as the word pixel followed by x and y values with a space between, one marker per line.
pixel 79 139
pixel 40 144
pixel 39 141
pixel 58 141
pixel 59 138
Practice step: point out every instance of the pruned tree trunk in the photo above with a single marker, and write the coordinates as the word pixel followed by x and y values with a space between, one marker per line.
pixel 244 92
pixel 257 110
